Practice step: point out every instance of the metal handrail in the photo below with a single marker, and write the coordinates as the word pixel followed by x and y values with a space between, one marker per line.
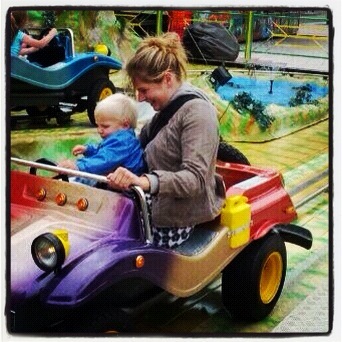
pixel 136 189
pixel 59 169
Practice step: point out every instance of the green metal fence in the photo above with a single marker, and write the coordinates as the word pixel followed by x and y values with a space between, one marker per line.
pixel 264 31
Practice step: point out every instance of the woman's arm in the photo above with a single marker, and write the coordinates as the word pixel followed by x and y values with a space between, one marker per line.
pixel 194 153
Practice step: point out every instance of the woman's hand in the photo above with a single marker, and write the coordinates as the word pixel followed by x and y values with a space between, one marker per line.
pixel 123 179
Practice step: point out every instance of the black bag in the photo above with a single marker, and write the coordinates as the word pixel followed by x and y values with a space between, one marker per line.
pixel 162 118
pixel 210 42
pixel 220 75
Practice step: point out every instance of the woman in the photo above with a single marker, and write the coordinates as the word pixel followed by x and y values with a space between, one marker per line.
pixel 180 147
pixel 22 43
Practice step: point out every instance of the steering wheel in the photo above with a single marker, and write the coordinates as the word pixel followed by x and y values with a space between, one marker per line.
pixel 33 170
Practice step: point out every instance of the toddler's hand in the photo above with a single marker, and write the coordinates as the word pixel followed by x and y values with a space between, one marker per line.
pixel 78 149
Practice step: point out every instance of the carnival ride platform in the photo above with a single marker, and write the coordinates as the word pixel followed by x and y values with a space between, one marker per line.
pixel 301 156
pixel 305 159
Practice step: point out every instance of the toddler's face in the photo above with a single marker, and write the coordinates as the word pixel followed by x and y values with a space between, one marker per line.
pixel 106 126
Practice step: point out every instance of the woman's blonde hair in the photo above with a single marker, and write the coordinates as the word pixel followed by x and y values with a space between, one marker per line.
pixel 120 107
pixel 155 56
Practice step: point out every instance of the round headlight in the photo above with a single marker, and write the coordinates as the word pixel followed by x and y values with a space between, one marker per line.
pixel 48 252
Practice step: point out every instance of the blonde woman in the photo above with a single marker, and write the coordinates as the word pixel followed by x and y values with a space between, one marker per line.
pixel 180 143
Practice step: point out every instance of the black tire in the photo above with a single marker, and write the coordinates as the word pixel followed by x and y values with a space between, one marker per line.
pixel 63 118
pixel 100 90
pixel 40 112
pixel 229 154
pixel 13 122
pixel 100 320
pixel 253 281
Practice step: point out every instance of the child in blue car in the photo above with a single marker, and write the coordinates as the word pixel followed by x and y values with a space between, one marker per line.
pixel 116 119
pixel 22 43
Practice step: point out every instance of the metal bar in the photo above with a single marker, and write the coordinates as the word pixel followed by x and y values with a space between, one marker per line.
pixel 249 36
pixel 280 28
pixel 58 169
pixel 311 196
pixel 289 16
pixel 293 54
pixel 159 27
pixel 300 36
pixel 144 212
pixel 309 182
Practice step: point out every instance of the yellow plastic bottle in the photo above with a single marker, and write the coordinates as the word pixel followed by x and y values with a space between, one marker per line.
pixel 236 215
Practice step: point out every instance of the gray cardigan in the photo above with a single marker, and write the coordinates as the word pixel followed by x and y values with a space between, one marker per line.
pixel 181 162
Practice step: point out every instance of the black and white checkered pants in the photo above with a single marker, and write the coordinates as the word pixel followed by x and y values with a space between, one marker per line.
pixel 168 237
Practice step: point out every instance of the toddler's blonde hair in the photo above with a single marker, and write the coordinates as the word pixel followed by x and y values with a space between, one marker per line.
pixel 120 107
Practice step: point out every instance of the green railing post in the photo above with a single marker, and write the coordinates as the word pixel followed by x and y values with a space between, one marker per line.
pixel 249 35
pixel 159 28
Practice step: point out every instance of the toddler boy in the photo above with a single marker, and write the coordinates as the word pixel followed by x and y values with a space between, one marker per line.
pixel 116 119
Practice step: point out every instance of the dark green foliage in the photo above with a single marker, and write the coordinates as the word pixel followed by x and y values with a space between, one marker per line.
pixel 121 23
pixel 303 95
pixel 49 18
pixel 243 102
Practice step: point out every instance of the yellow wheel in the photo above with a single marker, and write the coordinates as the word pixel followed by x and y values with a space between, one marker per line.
pixel 271 277
pixel 105 92
pixel 100 90
pixel 253 281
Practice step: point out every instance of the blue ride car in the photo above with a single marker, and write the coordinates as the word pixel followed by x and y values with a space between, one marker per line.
pixel 57 82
